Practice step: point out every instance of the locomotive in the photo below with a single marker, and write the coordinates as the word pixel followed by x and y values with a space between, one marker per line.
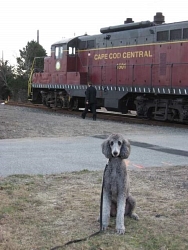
pixel 141 66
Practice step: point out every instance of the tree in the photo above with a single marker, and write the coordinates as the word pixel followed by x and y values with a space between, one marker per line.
pixel 15 79
pixel 27 55
pixel 25 61
pixel 7 77
pixel 6 72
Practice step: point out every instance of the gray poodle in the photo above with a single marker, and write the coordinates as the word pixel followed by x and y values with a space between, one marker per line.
pixel 117 200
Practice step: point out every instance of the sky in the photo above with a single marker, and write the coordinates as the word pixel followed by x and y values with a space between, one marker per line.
pixel 57 19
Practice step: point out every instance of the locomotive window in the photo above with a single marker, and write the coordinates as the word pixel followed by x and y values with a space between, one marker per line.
pixel 59 52
pixel 175 34
pixel 82 45
pixel 162 35
pixel 185 33
pixel 72 50
pixel 90 44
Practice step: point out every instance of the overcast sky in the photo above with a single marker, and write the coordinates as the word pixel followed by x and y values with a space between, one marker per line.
pixel 20 19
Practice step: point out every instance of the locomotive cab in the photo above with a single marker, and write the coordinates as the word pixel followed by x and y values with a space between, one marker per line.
pixel 55 84
pixel 64 63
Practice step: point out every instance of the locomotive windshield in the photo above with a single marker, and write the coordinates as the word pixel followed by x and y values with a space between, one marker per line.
pixel 59 52
pixel 72 51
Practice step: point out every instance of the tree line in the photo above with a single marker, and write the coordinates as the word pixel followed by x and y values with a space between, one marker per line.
pixel 14 79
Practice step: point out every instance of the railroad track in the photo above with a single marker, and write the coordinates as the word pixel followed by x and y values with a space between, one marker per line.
pixel 103 115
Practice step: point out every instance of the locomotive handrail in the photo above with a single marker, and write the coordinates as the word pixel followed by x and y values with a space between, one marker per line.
pixel 30 78
pixel 31 74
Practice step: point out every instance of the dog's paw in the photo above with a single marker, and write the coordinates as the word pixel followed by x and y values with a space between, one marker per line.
pixel 135 216
pixel 120 231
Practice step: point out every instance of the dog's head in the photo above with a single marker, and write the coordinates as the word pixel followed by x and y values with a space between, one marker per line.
pixel 116 146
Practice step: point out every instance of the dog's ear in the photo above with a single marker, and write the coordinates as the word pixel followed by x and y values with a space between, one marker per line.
pixel 106 150
pixel 125 149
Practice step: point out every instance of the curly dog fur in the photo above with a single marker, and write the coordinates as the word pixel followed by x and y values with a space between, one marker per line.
pixel 117 201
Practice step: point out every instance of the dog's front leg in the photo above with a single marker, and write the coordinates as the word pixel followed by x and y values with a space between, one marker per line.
pixel 120 226
pixel 106 210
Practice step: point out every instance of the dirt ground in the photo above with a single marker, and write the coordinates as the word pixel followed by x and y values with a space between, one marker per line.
pixel 41 212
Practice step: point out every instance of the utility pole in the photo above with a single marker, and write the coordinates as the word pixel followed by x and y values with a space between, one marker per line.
pixel 2 56
pixel 38 36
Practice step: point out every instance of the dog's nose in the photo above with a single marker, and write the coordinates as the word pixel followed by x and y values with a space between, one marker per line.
pixel 115 153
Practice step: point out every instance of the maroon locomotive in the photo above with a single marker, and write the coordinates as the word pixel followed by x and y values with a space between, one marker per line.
pixel 140 66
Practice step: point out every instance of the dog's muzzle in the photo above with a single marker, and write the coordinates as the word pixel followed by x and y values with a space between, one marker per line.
pixel 115 154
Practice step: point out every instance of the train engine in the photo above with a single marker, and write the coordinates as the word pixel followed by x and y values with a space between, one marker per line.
pixel 139 66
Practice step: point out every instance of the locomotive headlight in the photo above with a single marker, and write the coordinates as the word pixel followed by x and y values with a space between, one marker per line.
pixel 58 65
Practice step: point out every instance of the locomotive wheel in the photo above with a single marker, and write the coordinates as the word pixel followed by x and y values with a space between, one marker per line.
pixel 150 112
pixel 74 104
pixel 47 102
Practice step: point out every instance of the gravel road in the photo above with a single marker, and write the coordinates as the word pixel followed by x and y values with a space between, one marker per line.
pixel 21 122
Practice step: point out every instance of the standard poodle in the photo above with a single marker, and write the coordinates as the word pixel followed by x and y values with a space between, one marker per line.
pixel 117 201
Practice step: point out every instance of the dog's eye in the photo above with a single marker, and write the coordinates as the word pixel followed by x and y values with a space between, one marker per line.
pixel 111 143
pixel 119 143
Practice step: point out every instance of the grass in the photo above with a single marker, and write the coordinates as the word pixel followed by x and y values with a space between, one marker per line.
pixel 41 212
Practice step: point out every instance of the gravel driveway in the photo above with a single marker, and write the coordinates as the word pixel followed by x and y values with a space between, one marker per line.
pixel 21 122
